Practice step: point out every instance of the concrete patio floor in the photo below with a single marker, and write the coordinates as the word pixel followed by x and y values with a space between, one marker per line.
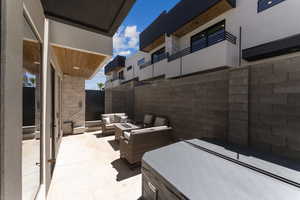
pixel 88 167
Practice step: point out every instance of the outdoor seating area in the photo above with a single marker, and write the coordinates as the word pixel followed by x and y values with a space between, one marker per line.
pixel 144 161
pixel 109 121
pixel 135 138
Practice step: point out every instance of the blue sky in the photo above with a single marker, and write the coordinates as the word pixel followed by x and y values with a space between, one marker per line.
pixel 126 40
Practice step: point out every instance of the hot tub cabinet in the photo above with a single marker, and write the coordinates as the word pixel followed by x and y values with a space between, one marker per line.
pixel 200 170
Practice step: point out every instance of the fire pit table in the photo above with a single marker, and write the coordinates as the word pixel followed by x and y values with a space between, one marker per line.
pixel 121 127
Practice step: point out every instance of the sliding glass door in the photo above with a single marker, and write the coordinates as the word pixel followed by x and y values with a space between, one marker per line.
pixel 31 145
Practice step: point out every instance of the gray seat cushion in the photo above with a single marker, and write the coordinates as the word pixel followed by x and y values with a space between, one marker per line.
pixel 148 119
pixel 160 121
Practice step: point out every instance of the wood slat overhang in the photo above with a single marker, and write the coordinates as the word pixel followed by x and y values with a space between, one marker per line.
pixel 156 43
pixel 203 18
pixel 77 63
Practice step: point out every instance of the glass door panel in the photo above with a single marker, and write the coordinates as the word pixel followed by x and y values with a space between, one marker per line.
pixel 31 113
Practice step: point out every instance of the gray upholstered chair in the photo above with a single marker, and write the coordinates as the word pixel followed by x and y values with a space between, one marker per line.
pixel 135 143
pixel 148 121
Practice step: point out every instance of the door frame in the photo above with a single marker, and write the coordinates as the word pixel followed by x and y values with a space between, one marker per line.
pixel 53 119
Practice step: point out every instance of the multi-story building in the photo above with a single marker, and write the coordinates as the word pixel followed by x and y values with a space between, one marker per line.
pixel 196 36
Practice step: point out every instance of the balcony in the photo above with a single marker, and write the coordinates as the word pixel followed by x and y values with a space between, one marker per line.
pixel 216 52
pixel 154 68
pixel 108 84
pixel 159 65
pixel 113 83
pixel 117 82
pixel 146 71
pixel 116 64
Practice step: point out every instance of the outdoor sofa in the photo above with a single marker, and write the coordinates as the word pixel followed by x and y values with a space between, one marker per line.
pixel 135 143
pixel 108 121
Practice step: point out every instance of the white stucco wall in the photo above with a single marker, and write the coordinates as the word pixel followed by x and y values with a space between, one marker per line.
pixel 76 38
pixel 160 68
pixel 146 73
pixel 208 58
pixel 173 68
pixel 133 61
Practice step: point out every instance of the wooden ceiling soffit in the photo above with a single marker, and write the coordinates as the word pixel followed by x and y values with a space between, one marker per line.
pixel 155 44
pixel 31 56
pixel 77 63
pixel 205 17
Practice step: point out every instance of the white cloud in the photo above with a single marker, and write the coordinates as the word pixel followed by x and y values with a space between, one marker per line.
pixel 119 41
pixel 133 35
pixel 124 53
pixel 126 40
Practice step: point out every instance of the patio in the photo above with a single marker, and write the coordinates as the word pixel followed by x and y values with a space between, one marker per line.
pixel 88 167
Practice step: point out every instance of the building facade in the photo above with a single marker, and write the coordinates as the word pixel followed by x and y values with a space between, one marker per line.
pixel 216 34
pixel 227 70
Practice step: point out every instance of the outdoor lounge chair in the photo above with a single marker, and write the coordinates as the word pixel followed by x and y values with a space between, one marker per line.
pixel 108 121
pixel 135 143
pixel 147 122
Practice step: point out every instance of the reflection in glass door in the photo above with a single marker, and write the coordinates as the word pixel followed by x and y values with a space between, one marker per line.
pixel 31 145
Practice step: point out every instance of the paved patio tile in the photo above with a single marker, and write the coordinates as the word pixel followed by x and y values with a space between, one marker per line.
pixel 88 167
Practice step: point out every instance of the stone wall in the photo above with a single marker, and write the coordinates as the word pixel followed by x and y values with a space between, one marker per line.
pixel 73 101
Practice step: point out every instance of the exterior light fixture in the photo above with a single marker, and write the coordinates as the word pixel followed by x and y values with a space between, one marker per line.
pixel 270 2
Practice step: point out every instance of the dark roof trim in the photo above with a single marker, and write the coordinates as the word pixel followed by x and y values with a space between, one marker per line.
pixel 181 14
pixel 154 30
pixel 117 63
pixel 120 15
pixel 272 49
pixel 178 16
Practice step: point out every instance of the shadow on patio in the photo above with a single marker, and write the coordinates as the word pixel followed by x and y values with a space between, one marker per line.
pixel 89 167
pixel 124 171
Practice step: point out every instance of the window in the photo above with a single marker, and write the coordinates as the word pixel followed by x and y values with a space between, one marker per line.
pixel 141 61
pixel 265 4
pixel 198 41
pixel 121 75
pixel 158 55
pixel 129 68
pixel 208 37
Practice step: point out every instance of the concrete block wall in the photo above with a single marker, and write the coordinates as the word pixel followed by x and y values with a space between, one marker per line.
pixel 197 106
pixel 256 106
pixel 73 101
pixel 120 99
pixel 275 107
pixel 238 106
